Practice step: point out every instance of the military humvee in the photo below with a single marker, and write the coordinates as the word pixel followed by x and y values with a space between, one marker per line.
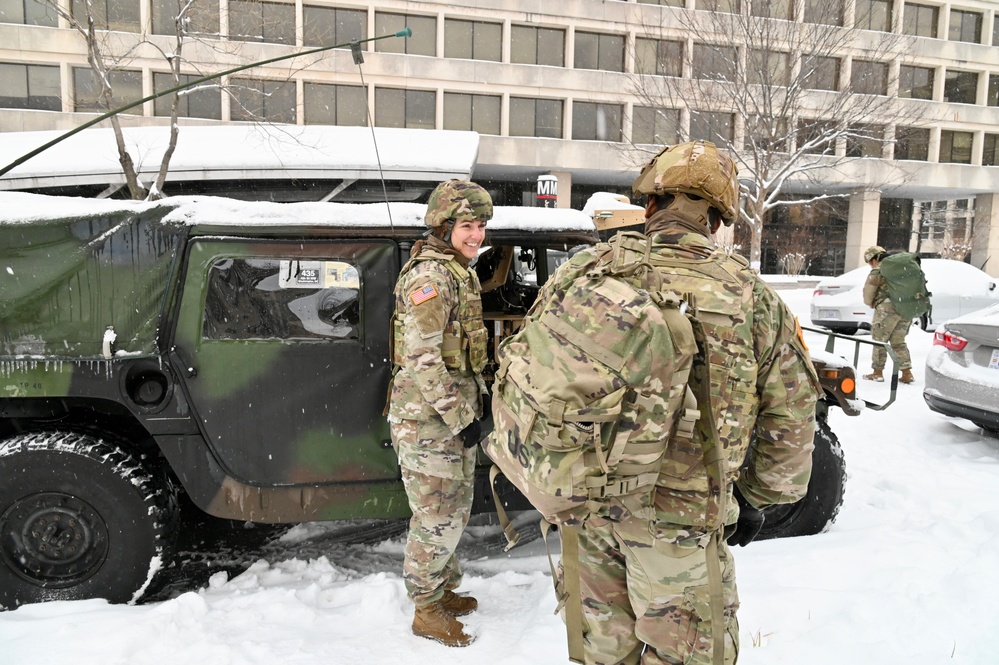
pixel 236 352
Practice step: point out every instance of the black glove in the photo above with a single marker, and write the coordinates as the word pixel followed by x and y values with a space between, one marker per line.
pixel 472 434
pixel 750 522
pixel 487 405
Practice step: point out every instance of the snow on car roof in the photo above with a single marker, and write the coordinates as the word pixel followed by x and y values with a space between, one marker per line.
pixel 21 208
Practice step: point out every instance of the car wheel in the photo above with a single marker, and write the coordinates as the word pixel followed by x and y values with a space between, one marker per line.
pixel 79 518
pixel 818 509
pixel 848 331
pixel 923 322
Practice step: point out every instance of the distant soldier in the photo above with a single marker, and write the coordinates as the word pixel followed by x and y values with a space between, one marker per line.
pixel 436 401
pixel 662 589
pixel 888 325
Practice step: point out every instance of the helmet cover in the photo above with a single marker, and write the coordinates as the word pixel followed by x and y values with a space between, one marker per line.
pixel 458 200
pixel 697 168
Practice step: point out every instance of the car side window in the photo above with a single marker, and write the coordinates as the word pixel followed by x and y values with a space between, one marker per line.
pixel 293 299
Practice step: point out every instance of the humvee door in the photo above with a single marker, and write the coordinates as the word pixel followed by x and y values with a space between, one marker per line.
pixel 283 351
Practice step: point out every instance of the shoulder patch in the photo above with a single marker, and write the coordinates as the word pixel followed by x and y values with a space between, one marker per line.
pixel 420 296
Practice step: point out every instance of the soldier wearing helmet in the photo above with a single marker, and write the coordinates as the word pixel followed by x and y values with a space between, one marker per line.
pixel 661 587
pixel 887 325
pixel 436 400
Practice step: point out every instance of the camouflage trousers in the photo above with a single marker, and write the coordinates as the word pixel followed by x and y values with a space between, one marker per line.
pixel 438 473
pixel 888 326
pixel 647 600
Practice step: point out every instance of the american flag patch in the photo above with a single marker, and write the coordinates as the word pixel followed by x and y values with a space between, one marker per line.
pixel 423 295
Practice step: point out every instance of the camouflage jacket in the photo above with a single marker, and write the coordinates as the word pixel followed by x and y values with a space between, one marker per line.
pixel 875 289
pixel 763 384
pixel 439 341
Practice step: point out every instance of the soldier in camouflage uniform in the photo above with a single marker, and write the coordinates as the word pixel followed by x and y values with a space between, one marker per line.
pixel 436 401
pixel 887 325
pixel 663 590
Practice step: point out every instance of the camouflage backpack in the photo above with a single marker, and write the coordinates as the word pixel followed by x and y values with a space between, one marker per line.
pixel 906 284
pixel 588 392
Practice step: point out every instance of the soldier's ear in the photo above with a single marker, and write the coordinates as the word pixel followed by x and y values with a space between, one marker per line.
pixel 651 205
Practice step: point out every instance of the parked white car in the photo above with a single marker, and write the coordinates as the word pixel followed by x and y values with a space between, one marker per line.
pixel 956 288
pixel 962 369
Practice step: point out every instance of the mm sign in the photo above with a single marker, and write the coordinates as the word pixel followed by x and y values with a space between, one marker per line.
pixel 547 192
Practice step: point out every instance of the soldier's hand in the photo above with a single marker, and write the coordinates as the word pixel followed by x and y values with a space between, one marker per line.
pixel 750 522
pixel 472 434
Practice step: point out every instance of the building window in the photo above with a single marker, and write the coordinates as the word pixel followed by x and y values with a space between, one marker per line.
pixel 777 9
pixel 865 140
pixel 869 78
pixel 413 109
pixel 995 30
pixel 719 128
pixel 272 22
pixel 873 15
pixel 824 12
pixel 537 46
pixel 714 62
pixel 472 40
pixel 766 134
pixel 655 126
pixel 27 12
pixel 536 117
pixel 599 51
pixel 258 99
pixel 202 17
pixel 820 72
pixel 990 152
pixel 960 87
pixel 477 113
pixel 965 26
pixel 817 137
pixel 912 143
pixel 343 105
pixel 993 95
pixel 596 122
pixel 423 41
pixel 920 20
pixel 108 14
pixel 326 26
pixel 658 57
pixel 203 102
pixel 664 3
pixel 770 68
pixel 955 147
pixel 29 87
pixel 915 82
pixel 126 87
pixel 727 6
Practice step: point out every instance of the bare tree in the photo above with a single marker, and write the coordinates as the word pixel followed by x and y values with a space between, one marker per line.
pixel 779 84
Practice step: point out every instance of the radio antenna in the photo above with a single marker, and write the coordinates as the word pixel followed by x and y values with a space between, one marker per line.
pixel 358 55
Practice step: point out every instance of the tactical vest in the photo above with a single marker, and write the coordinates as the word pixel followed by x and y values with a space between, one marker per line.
pixel 464 347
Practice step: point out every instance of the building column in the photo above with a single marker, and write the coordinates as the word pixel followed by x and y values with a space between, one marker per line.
pixel 985 234
pixel 862 225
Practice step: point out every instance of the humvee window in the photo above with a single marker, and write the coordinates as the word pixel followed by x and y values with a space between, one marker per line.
pixel 281 299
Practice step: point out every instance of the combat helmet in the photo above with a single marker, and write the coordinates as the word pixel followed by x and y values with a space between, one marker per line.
pixel 695 168
pixel 456 200
pixel 873 253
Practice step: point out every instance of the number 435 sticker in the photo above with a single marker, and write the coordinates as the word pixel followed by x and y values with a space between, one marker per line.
pixel 994 363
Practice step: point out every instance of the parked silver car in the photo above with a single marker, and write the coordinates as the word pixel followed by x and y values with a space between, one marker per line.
pixel 957 288
pixel 962 369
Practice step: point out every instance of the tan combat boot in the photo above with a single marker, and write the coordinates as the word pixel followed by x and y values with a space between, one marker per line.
pixel 457 605
pixel 436 623
pixel 874 376
pixel 906 377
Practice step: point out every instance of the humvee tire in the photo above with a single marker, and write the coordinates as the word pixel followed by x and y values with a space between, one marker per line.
pixel 814 513
pixel 79 518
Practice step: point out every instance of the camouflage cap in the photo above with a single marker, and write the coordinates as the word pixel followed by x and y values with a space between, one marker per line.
pixel 874 252
pixel 455 200
pixel 697 168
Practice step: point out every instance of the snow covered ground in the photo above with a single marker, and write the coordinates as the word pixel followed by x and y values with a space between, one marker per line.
pixel 907 574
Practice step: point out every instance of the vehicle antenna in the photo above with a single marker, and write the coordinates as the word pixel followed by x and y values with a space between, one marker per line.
pixel 23 158
pixel 358 55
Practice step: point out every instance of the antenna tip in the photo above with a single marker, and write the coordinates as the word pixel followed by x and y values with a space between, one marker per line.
pixel 407 32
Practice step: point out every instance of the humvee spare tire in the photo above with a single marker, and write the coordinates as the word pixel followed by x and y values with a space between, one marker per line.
pixel 818 509
pixel 79 518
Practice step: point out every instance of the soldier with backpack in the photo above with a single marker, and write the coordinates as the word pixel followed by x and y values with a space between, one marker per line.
pixel 651 453
pixel 436 400
pixel 896 290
